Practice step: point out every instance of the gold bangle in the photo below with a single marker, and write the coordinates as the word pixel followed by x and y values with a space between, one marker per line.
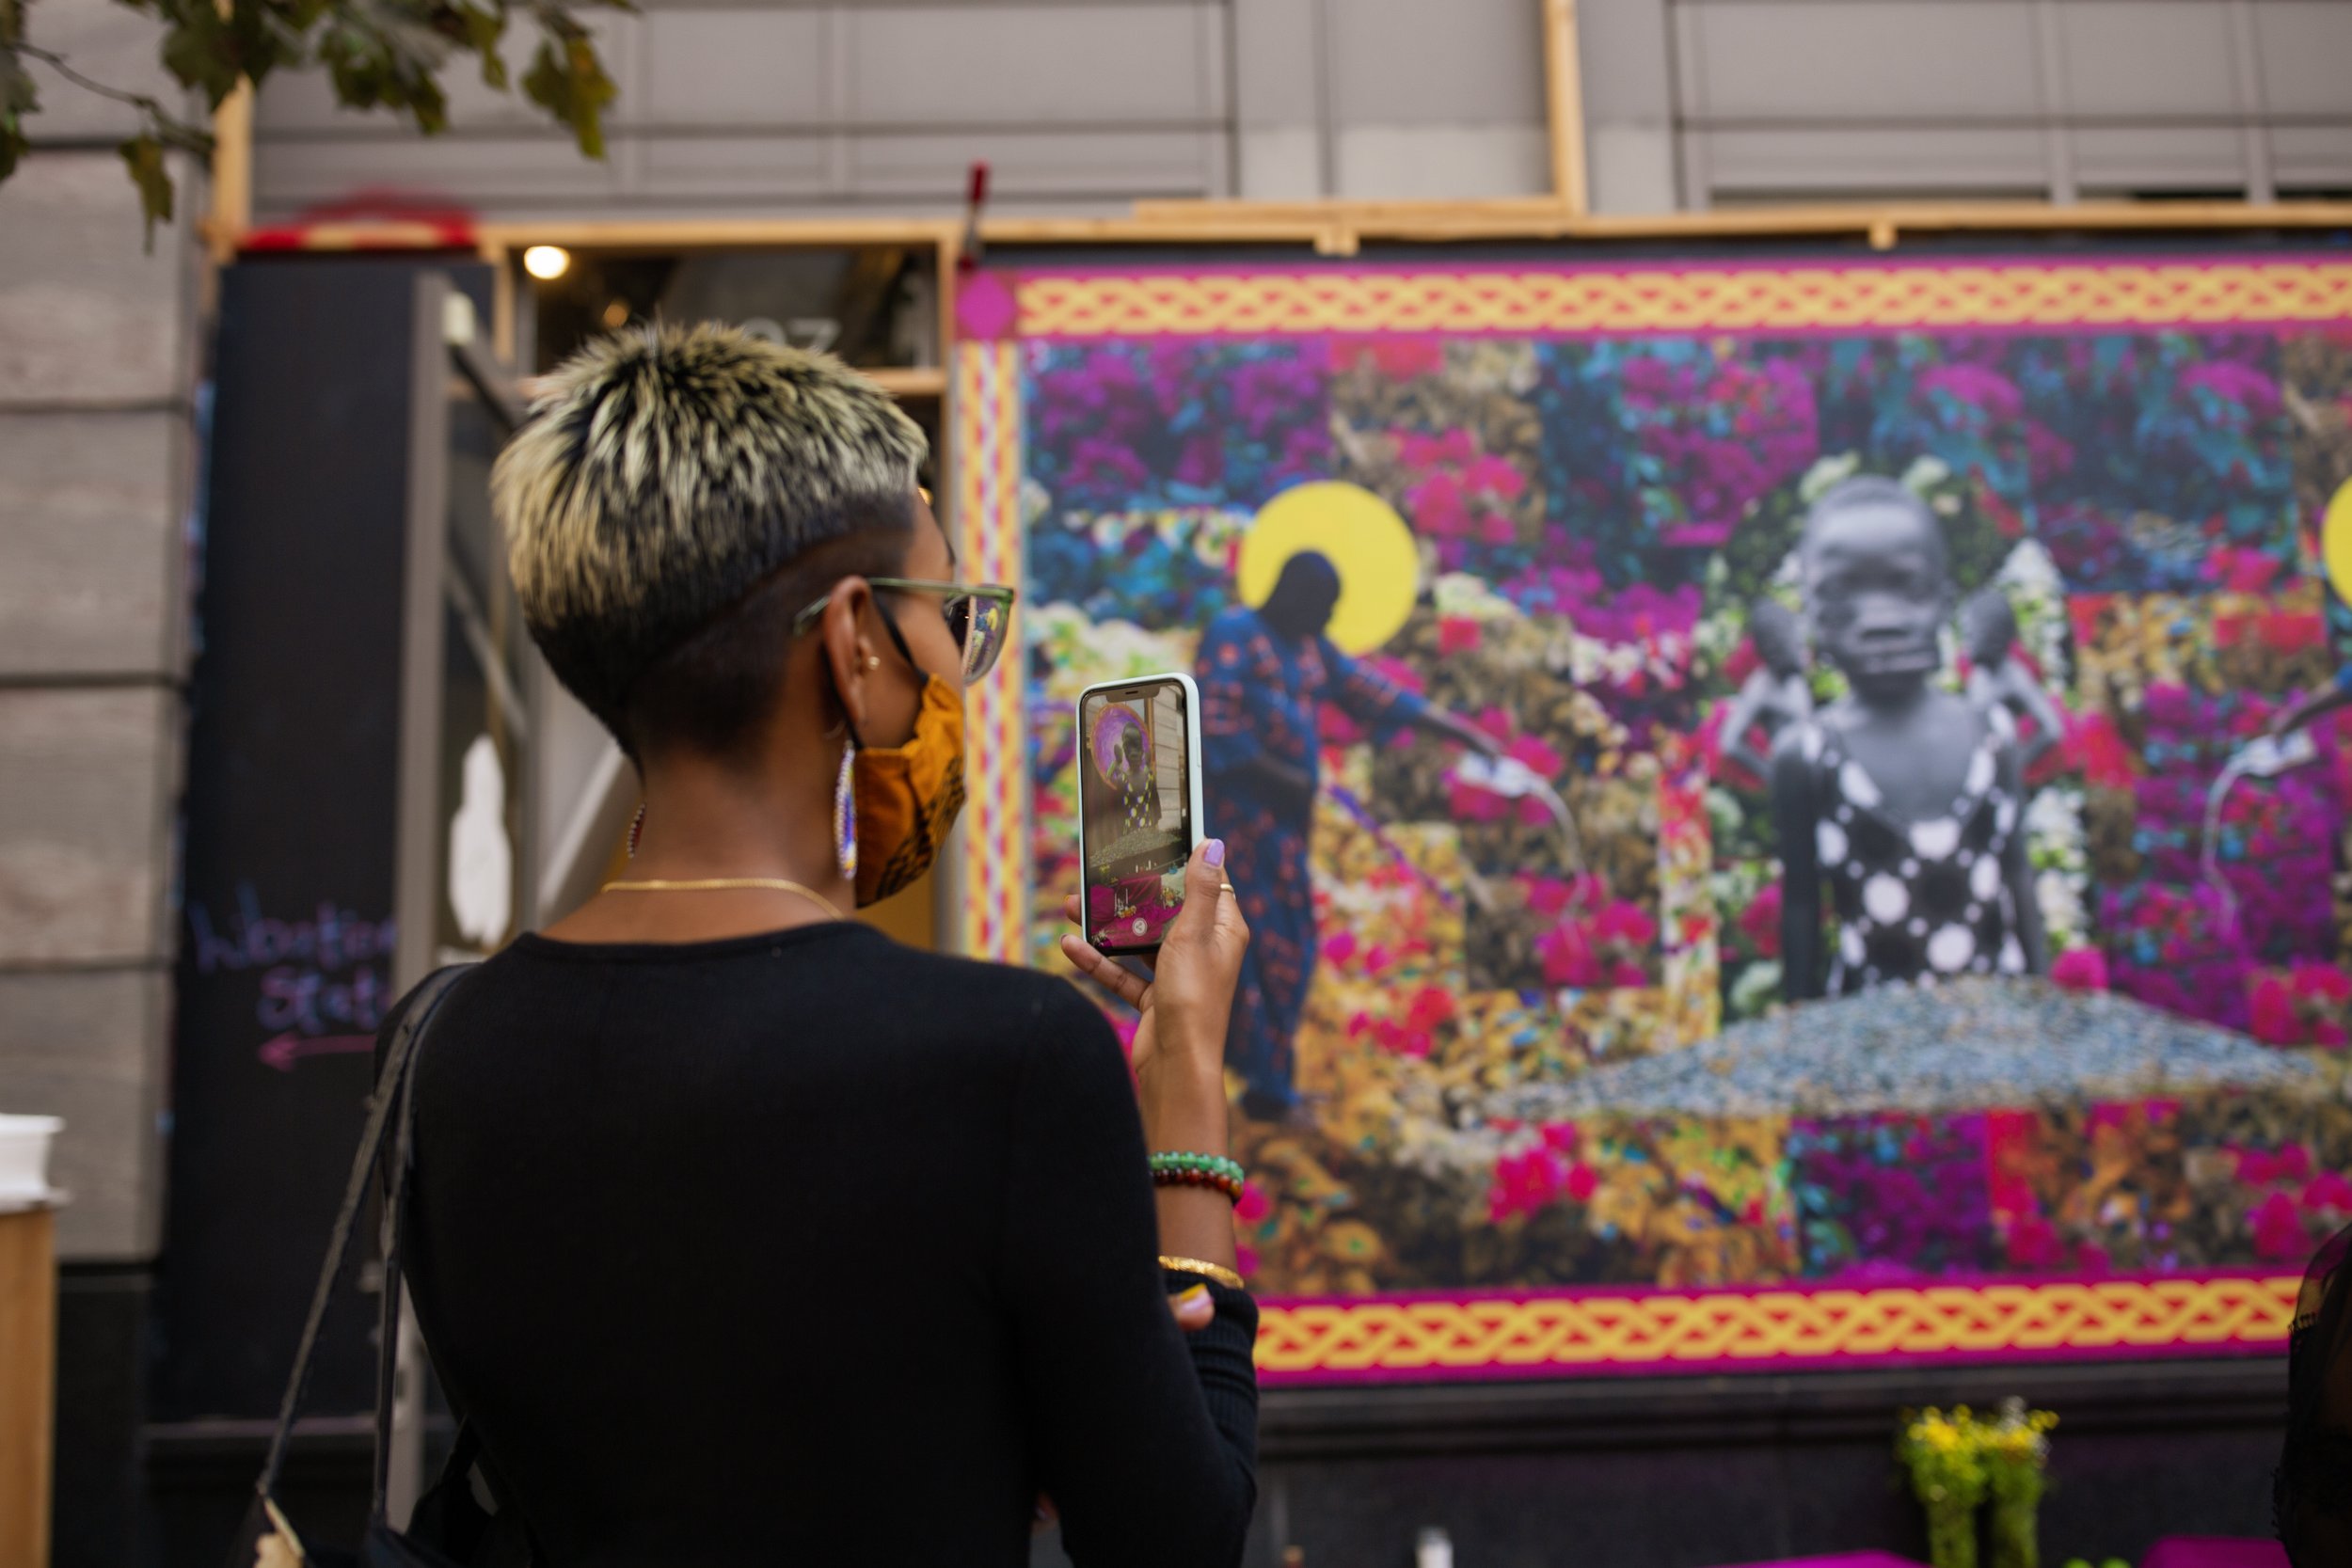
pixel 1216 1274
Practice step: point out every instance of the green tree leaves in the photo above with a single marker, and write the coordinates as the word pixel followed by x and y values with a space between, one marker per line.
pixel 377 54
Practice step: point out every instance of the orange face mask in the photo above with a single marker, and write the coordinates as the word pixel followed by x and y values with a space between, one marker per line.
pixel 907 797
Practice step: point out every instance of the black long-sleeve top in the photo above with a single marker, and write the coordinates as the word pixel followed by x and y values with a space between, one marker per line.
pixel 807 1247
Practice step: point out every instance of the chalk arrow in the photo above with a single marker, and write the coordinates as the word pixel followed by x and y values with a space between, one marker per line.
pixel 290 1048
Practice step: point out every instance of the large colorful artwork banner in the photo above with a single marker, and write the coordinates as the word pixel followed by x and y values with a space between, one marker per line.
pixel 1789 810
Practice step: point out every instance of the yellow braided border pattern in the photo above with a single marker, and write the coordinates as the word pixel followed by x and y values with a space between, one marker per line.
pixel 1861 297
pixel 992 921
pixel 1312 1341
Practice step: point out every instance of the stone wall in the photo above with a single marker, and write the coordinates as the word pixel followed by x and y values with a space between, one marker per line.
pixel 97 452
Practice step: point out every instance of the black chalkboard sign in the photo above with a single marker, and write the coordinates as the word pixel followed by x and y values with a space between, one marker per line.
pixel 286 956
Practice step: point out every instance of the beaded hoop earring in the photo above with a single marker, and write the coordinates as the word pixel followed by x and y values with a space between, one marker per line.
pixel 844 816
pixel 636 828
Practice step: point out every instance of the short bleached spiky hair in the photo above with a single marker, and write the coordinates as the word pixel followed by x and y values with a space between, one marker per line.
pixel 665 473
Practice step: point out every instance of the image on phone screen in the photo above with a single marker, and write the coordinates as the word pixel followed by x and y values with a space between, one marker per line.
pixel 1133 788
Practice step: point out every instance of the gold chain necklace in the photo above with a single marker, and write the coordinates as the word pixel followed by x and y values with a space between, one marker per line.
pixel 723 884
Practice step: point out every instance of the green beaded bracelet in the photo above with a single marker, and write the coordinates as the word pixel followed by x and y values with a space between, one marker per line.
pixel 1204 1164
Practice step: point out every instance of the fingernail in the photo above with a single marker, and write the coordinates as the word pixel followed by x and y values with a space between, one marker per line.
pixel 1192 1296
pixel 1214 852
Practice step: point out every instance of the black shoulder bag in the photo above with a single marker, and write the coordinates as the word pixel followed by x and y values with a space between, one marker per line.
pixel 452 1525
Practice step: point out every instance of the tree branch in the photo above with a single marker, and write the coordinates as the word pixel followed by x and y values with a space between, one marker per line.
pixel 56 62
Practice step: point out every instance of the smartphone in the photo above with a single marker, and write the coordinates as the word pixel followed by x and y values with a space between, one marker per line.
pixel 1138 807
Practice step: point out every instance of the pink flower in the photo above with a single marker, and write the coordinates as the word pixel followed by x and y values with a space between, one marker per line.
pixel 1333 726
pixel 1496 477
pixel 2274 1018
pixel 1438 506
pixel 1339 947
pixel 1524 1183
pixel 1560 1137
pixel 1245 1261
pixel 2080 969
pixel 2329 1192
pixel 1469 803
pixel 1628 925
pixel 1760 920
pixel 1546 895
pixel 1398 359
pixel 1539 758
pixel 2033 1242
pixel 1432 1005
pixel 1457 634
pixel 1582 1183
pixel 1568 957
pixel 2277 1230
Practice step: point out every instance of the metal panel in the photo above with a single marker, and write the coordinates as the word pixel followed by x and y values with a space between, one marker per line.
pixel 2159 58
pixel 1471 62
pixel 1874 161
pixel 2158 157
pixel 1026 65
pixel 518 173
pixel 789 167
pixel 735 68
pixel 2313 157
pixel 1413 161
pixel 1825 60
pixel 2304 53
pixel 1107 164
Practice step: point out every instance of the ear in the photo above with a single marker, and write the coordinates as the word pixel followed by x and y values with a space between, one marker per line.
pixel 847 648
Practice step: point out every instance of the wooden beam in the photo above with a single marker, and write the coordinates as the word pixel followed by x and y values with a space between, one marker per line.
pixel 715 234
pixel 1563 78
pixel 230 213
pixel 1882 224
pixel 1341 228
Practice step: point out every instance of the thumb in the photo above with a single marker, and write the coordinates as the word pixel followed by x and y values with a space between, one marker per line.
pixel 1204 890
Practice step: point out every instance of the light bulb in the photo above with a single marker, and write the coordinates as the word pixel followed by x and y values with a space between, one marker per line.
pixel 547 262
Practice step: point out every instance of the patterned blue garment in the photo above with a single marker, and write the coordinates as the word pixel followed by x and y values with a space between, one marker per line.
pixel 1259 697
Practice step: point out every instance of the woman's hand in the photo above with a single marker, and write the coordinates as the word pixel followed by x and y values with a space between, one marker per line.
pixel 1188 1000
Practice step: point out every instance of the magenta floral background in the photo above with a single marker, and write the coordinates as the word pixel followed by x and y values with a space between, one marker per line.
pixel 1595 518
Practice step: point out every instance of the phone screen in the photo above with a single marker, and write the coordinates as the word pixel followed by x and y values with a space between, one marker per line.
pixel 1132 748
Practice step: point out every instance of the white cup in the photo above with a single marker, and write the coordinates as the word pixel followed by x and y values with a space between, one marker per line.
pixel 24 1156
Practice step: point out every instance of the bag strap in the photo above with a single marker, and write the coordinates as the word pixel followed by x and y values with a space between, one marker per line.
pixel 389 1306
pixel 390 1092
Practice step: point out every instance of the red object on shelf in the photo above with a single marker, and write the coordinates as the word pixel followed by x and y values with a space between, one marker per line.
pixel 976 197
pixel 370 220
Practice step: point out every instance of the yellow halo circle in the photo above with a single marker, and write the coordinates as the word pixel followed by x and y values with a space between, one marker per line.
pixel 1360 535
pixel 2335 541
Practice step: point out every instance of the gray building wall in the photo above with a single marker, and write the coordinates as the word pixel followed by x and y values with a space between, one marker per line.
pixel 2062 99
pixel 788 107
pixel 97 363
pixel 1077 106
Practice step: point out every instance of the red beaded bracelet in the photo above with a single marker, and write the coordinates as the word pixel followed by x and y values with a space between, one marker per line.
pixel 1222 1182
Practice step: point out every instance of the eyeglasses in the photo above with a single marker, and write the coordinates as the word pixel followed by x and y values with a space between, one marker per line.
pixel 979 616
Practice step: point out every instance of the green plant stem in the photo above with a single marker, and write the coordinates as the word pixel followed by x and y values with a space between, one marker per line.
pixel 1951 1535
